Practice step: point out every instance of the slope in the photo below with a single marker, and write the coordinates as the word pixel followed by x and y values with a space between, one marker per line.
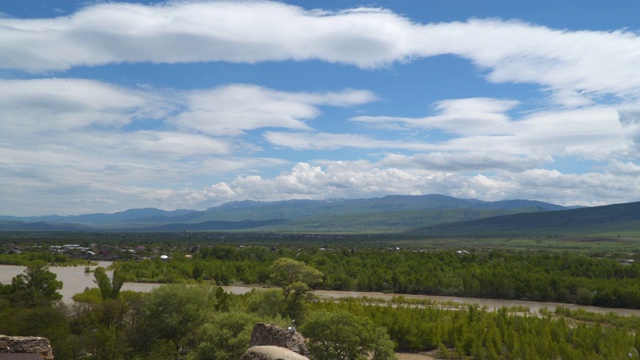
pixel 600 219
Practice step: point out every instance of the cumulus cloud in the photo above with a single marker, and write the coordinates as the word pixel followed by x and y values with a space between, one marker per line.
pixel 617 167
pixel 346 179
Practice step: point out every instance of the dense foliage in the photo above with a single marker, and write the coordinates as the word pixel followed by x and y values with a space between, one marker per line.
pixel 559 277
pixel 481 334
pixel 34 287
pixel 47 257
pixel 202 321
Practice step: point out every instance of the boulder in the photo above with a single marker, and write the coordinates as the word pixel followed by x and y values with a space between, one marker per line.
pixel 266 334
pixel 26 344
pixel 270 352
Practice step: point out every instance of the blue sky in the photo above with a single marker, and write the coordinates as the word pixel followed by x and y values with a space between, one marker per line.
pixel 106 106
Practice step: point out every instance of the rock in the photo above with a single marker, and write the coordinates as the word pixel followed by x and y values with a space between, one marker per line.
pixel 270 352
pixel 26 344
pixel 265 334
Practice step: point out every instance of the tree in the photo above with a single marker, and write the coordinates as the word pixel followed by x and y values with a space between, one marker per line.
pixel 225 336
pixel 175 313
pixel 37 286
pixel 109 289
pixel 340 335
pixel 296 280
pixel 382 346
pixel 265 303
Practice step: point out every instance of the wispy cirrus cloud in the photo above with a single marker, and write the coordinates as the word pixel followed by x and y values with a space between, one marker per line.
pixel 483 125
pixel 235 108
pixel 576 67
pixel 467 117
pixel 332 141
pixel 41 105
pixel 101 141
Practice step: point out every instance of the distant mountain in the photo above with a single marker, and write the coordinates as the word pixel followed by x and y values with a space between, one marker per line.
pixel 10 225
pixel 296 209
pixel 389 213
pixel 131 215
pixel 435 215
pixel 618 217
pixel 213 226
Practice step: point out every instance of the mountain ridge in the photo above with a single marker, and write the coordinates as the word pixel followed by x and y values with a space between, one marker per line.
pixel 386 203
pixel 388 213
pixel 615 217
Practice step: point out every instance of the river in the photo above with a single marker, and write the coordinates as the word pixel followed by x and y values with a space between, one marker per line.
pixel 75 280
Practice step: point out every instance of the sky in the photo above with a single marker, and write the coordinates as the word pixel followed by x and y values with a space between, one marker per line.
pixel 112 105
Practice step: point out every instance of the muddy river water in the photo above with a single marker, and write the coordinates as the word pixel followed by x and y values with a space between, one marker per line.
pixel 75 280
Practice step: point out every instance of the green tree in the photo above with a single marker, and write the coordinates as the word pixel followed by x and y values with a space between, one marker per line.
pixel 382 346
pixel 265 303
pixel 294 277
pixel 225 336
pixel 37 286
pixel 109 288
pixel 340 335
pixel 175 313
pixel 296 280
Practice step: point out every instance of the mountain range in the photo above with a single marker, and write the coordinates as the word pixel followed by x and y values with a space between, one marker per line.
pixel 394 213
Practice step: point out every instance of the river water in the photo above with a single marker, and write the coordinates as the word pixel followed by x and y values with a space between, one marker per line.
pixel 75 280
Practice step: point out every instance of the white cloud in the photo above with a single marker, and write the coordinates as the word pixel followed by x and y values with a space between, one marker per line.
pixel 92 201
pixel 471 116
pixel 60 116
pixel 575 66
pixel 172 144
pixel 629 118
pixel 42 105
pixel 115 147
pixel 233 109
pixel 629 168
pixel 573 189
pixel 480 126
pixel 466 162
pixel 63 139
pixel 330 141
pixel 248 31
pixel 361 179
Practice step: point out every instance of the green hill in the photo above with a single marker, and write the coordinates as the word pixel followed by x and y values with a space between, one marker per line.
pixel 600 219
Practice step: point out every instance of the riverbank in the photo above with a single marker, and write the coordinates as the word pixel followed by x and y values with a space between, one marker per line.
pixel 75 280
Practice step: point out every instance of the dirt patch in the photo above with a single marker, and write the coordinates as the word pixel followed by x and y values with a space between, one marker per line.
pixel 408 356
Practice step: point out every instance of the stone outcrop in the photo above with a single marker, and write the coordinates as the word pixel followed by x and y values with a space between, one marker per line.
pixel 270 352
pixel 26 344
pixel 265 334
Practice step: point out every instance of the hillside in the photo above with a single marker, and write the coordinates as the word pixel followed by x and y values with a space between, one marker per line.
pixel 600 219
